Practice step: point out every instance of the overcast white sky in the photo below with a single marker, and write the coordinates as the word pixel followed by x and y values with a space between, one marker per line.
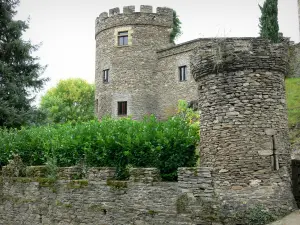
pixel 66 27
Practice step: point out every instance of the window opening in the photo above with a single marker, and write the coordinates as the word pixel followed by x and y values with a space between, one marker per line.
pixel 123 38
pixel 97 105
pixel 105 76
pixel 182 73
pixel 122 108
pixel 275 161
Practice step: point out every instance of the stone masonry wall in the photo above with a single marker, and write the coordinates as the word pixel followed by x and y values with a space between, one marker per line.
pixel 131 67
pixel 166 77
pixel 244 132
pixel 143 199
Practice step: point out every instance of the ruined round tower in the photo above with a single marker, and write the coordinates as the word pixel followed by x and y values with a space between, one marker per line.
pixel 126 45
pixel 244 129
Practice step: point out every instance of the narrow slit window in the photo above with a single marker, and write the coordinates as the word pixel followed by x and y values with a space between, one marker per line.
pixel 97 105
pixel 275 160
pixel 105 76
pixel 123 38
pixel 182 73
pixel 122 108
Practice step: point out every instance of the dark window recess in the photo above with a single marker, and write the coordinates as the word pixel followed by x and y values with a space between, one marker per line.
pixel 105 76
pixel 97 105
pixel 182 73
pixel 275 160
pixel 122 108
pixel 123 38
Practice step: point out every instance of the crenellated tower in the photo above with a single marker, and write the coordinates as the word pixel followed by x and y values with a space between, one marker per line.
pixel 126 45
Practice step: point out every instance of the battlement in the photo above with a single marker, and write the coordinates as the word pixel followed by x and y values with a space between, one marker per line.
pixel 231 55
pixel 146 16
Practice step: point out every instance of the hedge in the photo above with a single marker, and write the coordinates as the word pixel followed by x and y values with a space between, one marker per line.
pixel 121 143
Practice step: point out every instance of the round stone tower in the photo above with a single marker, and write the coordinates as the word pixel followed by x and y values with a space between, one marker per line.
pixel 126 45
pixel 244 129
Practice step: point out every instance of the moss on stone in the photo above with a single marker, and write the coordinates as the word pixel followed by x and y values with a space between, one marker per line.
pixel 16 200
pixel 36 171
pixel 76 184
pixel 59 203
pixel 97 208
pixel 46 182
pixel 152 212
pixel 22 179
pixel 117 184
pixel 181 204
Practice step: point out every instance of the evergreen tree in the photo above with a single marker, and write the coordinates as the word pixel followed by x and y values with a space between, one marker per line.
pixel 19 70
pixel 269 27
pixel 176 29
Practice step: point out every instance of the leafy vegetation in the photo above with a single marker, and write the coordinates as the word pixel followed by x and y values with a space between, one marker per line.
pixel 71 100
pixel 259 215
pixel 293 100
pixel 19 70
pixel 269 27
pixel 176 29
pixel 166 145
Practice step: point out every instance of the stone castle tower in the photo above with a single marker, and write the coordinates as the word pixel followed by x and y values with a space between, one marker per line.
pixel 244 126
pixel 126 45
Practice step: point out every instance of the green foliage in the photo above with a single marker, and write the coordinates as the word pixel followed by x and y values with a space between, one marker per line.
pixel 258 215
pixel 166 145
pixel 269 27
pixel 51 167
pixel 188 114
pixel 19 70
pixel 293 100
pixel 176 29
pixel 70 100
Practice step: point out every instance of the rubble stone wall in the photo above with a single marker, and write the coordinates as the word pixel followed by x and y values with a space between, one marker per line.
pixel 244 129
pixel 98 199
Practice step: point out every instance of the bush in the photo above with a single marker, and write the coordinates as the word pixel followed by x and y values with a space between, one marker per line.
pixel 259 215
pixel 166 145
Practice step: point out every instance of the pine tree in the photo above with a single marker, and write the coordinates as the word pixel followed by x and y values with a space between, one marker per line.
pixel 269 27
pixel 19 70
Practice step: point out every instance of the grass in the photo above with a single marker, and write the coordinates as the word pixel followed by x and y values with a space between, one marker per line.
pixel 293 101
pixel 293 106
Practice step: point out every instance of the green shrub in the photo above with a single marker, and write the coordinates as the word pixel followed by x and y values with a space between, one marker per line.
pixel 166 145
pixel 258 215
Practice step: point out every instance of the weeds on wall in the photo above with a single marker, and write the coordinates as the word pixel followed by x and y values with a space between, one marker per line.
pixel 259 215
pixel 121 143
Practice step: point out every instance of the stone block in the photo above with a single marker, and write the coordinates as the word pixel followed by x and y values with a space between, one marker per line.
pixel 114 11
pixel 129 9
pixel 270 132
pixel 265 152
pixel 146 9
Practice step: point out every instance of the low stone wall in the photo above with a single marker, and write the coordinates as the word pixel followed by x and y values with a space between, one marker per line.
pixel 99 199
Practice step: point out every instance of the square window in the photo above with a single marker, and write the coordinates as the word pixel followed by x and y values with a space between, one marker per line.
pixel 123 38
pixel 122 108
pixel 182 73
pixel 105 76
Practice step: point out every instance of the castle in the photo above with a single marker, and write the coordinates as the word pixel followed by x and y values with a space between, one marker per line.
pixel 138 70
pixel 245 153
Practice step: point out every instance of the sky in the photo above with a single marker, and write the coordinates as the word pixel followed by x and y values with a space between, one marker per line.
pixel 66 28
